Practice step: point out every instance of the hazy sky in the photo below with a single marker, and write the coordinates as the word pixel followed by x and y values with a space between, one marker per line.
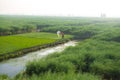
pixel 89 8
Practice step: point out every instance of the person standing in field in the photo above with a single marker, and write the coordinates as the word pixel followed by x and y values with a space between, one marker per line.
pixel 62 34
pixel 58 33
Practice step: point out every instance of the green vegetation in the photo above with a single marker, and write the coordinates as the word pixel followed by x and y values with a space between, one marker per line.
pixel 96 57
pixel 20 42
pixel 43 35
pixel 55 76
pixel 12 43
pixel 91 56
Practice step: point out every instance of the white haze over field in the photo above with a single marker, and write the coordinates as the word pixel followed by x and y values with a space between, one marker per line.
pixel 85 8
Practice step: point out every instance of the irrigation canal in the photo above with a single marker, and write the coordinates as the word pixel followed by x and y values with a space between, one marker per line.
pixel 14 66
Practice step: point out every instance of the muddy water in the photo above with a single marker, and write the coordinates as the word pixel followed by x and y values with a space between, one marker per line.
pixel 12 67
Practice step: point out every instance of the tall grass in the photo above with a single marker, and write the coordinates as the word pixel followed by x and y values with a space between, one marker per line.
pixel 60 76
pixel 88 56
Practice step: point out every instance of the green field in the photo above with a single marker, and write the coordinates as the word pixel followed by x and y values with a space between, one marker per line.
pixel 89 56
pixel 96 56
pixel 21 41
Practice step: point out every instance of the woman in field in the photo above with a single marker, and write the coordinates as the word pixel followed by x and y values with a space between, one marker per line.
pixel 58 33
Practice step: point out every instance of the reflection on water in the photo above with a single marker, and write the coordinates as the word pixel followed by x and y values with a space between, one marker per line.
pixel 12 67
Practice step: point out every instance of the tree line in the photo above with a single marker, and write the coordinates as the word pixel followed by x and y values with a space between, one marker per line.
pixel 16 30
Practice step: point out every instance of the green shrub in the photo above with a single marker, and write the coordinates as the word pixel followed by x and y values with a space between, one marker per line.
pixel 60 76
pixel 4 77
pixel 40 67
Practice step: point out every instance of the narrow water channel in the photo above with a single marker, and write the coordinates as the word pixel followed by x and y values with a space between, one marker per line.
pixel 13 66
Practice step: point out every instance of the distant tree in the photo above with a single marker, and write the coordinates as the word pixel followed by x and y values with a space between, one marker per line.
pixel 39 27
pixel 28 28
pixel 15 29
pixel 1 31
pixel 4 31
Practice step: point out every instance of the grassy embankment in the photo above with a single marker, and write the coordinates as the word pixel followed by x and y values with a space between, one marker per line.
pixel 16 45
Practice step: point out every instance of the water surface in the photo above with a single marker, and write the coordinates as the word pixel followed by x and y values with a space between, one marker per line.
pixel 13 66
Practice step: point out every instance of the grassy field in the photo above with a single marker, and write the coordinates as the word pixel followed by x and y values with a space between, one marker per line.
pixel 22 41
pixel 89 56
pixel 96 57
pixel 42 35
